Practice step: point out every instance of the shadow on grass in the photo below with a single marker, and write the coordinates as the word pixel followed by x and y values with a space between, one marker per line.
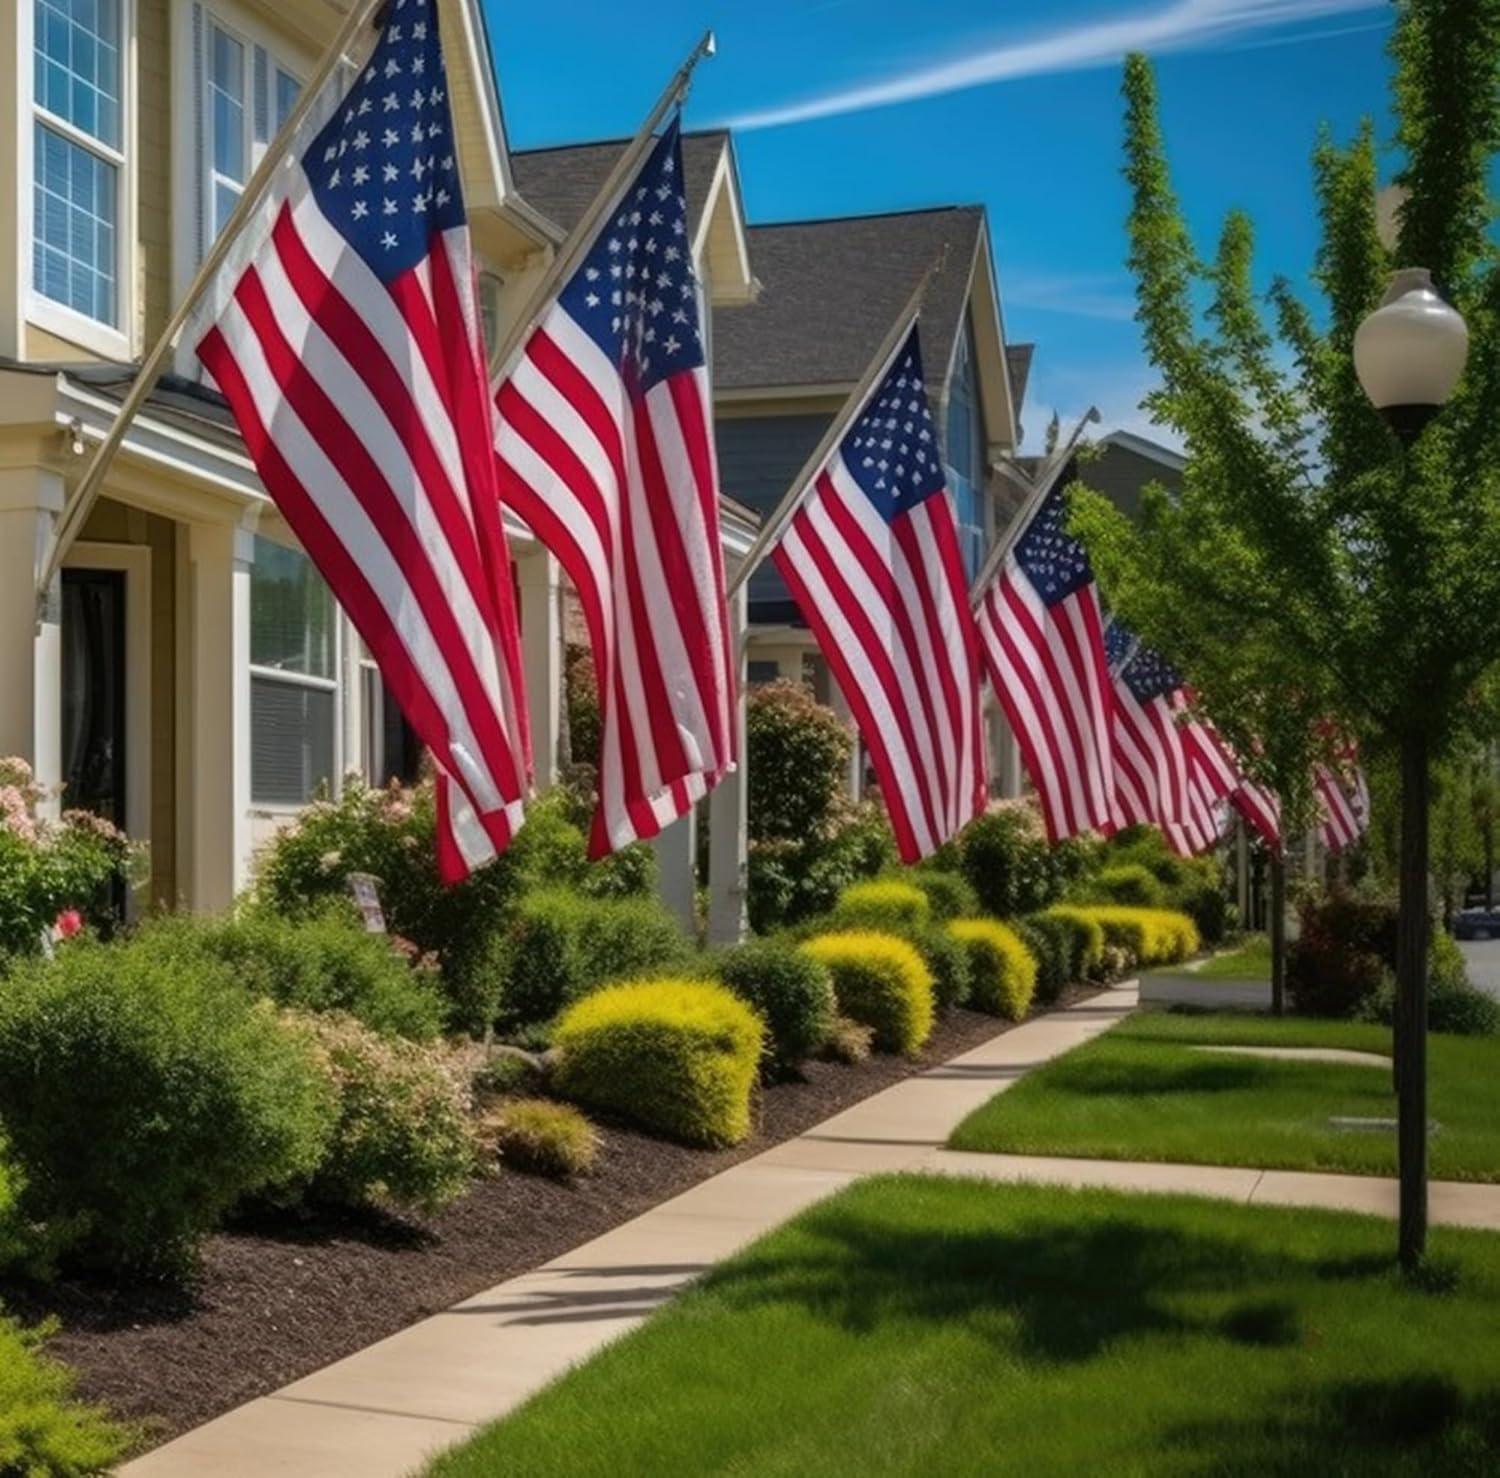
pixel 1140 1076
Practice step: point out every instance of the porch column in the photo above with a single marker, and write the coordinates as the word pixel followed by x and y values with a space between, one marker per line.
pixel 855 775
pixel 540 584
pixel 1006 753
pixel 729 817
pixel 218 798
pixel 30 651
pixel 1242 871
pixel 676 851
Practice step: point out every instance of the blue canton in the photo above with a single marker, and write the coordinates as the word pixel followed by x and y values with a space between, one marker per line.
pixel 892 449
pixel 1119 647
pixel 1148 676
pixel 384 168
pixel 1054 561
pixel 636 295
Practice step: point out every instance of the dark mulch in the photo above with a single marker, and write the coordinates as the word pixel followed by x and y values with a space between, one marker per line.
pixel 281 1297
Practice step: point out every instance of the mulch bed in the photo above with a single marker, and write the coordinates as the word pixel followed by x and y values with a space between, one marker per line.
pixel 281 1297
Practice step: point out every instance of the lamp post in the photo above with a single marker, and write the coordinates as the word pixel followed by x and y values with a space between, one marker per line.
pixel 1409 354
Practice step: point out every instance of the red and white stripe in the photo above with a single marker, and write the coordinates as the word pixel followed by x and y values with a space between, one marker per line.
pixel 888 604
pixel 364 409
pixel 1047 667
pixel 1345 811
pixel 1261 808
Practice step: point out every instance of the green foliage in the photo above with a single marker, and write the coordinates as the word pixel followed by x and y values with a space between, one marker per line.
pixel 790 991
pixel 949 894
pixel 678 1057
pixel 144 1095
pixel 44 1431
pixel 883 903
pixel 1002 970
pixel 1454 1005
pixel 1342 953
pixel 798 755
pixel 560 946
pixel 1005 858
pixel 849 1042
pixel 509 1071
pixel 791 881
pixel 403 1133
pixel 1128 883
pixel 542 1138
pixel 947 961
pixel 1050 943
pixel 391 833
pixel 881 981
pixel 1194 885
pixel 1145 936
pixel 1084 939
pixel 323 961
pixel 584 730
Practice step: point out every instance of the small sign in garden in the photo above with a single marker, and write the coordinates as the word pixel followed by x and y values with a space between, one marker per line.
pixel 366 891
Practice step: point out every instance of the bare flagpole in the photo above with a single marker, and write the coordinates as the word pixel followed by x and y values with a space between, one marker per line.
pixel 1045 482
pixel 775 526
pixel 581 238
pixel 78 507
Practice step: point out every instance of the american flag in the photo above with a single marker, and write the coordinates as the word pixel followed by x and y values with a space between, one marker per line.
pixel 1168 773
pixel 1261 808
pixel 345 336
pixel 606 448
pixel 872 558
pixel 1344 800
pixel 1042 632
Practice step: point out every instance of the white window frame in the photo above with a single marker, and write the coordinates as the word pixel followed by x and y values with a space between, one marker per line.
pixel 108 340
pixel 337 759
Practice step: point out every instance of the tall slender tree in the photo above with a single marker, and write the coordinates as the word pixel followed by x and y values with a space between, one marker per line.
pixel 1341 575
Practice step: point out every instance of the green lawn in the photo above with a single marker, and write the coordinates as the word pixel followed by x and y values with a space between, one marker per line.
pixel 920 1326
pixel 1251 960
pixel 1141 1092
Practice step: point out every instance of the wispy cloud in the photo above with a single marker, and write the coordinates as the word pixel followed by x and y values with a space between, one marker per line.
pixel 1178 26
pixel 1083 295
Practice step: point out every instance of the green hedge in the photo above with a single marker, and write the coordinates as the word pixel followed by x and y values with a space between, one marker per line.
pixel 883 903
pixel 790 991
pixel 882 981
pixel 1050 942
pixel 949 894
pixel 1085 939
pixel 1129 883
pixel 678 1057
pixel 1002 970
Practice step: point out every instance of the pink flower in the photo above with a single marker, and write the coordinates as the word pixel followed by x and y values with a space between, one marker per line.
pixel 69 922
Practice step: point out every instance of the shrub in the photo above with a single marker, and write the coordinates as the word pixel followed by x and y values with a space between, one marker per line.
pixel 509 1071
pixel 562 945
pixel 542 1137
pixel 1049 942
pixel 1453 1003
pixel 789 990
pixel 1002 970
pixel 1210 909
pixel 791 881
pixel 1344 948
pixel 144 1096
pixel 883 903
pixel 849 1042
pixel 882 981
pixel 678 1057
pixel 798 753
pixel 1147 936
pixel 403 1133
pixel 1084 937
pixel 44 1431
pixel 1128 883
pixel 585 732
pixel 325 961
pixel 949 895
pixel 947 962
pixel 1006 860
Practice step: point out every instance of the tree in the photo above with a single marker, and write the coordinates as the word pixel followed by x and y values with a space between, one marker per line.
pixel 1361 576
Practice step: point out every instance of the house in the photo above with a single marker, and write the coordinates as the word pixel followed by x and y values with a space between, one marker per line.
pixel 1123 464
pixel 190 676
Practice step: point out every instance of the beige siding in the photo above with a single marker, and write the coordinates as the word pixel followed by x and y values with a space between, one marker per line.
pixel 153 268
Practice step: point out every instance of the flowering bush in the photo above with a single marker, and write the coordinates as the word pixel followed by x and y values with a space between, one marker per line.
pixel 54 876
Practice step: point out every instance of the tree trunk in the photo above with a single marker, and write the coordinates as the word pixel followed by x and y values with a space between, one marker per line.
pixel 1278 933
pixel 1489 864
pixel 1411 1002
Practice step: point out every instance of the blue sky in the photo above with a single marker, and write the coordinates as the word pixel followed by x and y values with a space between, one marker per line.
pixel 847 106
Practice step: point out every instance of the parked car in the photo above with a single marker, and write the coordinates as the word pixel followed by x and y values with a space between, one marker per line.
pixel 1477 923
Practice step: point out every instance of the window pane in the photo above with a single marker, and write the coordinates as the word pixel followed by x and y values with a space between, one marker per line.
pixel 77 65
pixel 226 197
pixel 963 450
pixel 291 741
pixel 287 90
pixel 73 234
pixel 291 613
pixel 226 85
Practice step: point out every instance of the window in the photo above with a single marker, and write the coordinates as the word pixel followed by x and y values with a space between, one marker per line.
pixel 758 671
pixel 963 449
pixel 78 141
pixel 392 750
pixel 293 677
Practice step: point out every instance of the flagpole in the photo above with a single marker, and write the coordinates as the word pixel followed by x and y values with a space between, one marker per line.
pixel 1034 499
pixel 78 507
pixel 581 238
pixel 786 510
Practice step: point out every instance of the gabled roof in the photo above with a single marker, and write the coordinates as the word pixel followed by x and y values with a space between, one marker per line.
pixel 562 181
pixel 831 289
pixel 1018 359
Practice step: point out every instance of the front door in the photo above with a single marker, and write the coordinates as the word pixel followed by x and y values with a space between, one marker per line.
pixel 93 697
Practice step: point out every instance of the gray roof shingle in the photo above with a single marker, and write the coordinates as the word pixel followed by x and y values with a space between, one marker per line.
pixel 830 291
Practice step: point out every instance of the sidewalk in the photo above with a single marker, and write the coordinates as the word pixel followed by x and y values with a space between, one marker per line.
pixel 379 1413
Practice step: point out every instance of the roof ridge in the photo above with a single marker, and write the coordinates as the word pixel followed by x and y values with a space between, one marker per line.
pixel 612 143
pixel 973 208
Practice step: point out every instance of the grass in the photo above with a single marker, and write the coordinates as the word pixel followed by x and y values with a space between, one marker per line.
pixel 916 1325
pixel 1251 960
pixel 1141 1092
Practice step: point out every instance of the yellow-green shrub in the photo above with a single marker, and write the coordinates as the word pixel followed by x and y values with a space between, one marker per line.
pixel 676 1056
pixel 881 981
pixel 884 903
pixel 1085 938
pixel 1150 936
pixel 542 1137
pixel 1002 971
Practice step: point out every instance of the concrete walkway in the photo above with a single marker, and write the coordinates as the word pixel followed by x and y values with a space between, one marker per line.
pixel 381 1412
